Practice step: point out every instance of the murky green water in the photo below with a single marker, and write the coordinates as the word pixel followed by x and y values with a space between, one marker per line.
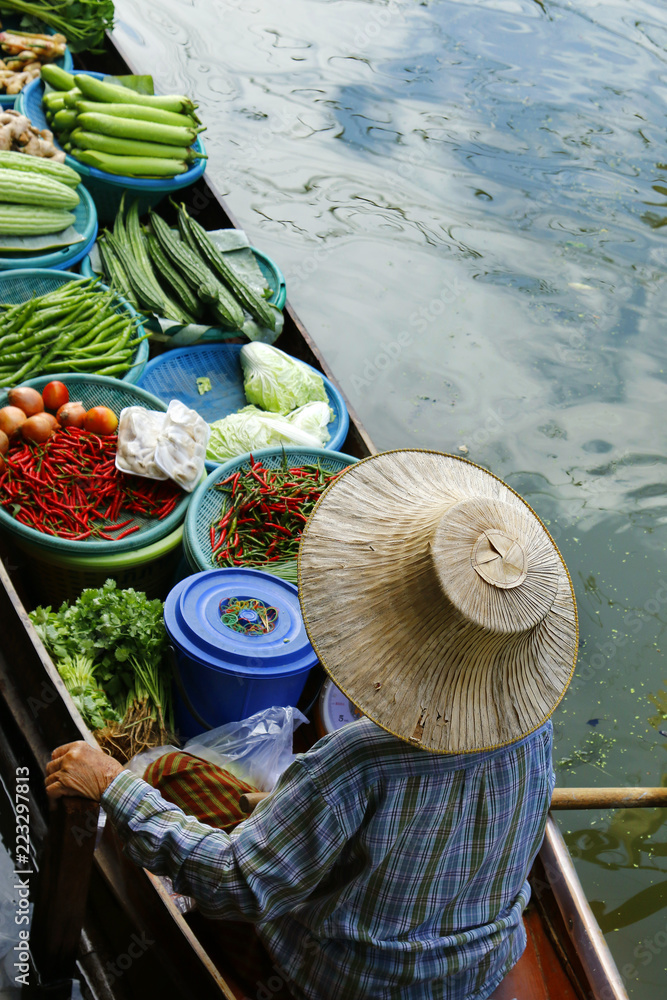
pixel 467 199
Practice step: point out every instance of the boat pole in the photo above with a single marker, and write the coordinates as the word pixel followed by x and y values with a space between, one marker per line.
pixel 607 798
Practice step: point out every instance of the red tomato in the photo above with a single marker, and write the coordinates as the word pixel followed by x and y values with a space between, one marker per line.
pixel 55 394
pixel 100 420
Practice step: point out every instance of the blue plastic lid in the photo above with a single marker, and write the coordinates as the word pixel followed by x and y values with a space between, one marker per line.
pixel 241 620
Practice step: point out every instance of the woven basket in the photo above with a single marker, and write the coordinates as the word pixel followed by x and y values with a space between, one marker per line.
pixel 173 375
pixel 207 502
pixel 107 189
pixel 99 390
pixel 21 284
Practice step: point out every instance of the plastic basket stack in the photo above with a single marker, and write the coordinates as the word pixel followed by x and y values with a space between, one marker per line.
pixel 107 189
pixel 207 503
pixel 145 559
pixel 20 285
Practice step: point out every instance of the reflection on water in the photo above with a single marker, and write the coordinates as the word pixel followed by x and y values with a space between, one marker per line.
pixel 468 201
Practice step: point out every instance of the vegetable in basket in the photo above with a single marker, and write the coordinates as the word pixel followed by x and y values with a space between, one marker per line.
pixel 122 634
pixel 276 381
pixel 251 428
pixel 84 22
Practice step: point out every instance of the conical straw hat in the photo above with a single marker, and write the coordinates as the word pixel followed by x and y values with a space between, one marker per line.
pixel 437 601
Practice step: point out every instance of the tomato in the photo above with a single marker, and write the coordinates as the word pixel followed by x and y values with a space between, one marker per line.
pixel 100 420
pixel 55 395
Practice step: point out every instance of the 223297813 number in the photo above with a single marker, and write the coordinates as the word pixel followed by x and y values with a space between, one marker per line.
pixel 22 810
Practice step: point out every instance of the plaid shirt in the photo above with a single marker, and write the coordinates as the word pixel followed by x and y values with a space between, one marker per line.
pixel 375 869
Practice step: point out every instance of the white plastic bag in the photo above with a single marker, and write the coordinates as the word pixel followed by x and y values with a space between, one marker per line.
pixel 257 749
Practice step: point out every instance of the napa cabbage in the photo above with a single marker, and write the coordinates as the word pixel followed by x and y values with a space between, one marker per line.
pixel 277 382
pixel 251 428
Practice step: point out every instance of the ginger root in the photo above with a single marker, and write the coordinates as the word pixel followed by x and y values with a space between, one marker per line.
pixel 19 134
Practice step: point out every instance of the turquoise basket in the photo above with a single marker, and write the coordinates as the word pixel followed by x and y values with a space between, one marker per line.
pixel 272 273
pixel 21 284
pixel 85 216
pixel 107 189
pixel 99 390
pixel 11 22
pixel 207 502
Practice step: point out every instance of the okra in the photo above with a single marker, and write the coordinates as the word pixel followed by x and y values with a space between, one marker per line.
pixel 115 272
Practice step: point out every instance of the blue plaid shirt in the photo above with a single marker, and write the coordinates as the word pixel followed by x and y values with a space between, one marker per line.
pixel 375 869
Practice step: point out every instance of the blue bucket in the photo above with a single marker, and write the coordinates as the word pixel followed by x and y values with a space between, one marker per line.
pixel 240 646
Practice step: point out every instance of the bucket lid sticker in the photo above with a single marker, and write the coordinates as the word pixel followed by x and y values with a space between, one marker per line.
pixel 248 615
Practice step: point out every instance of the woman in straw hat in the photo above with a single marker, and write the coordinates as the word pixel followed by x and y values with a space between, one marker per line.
pixel 391 859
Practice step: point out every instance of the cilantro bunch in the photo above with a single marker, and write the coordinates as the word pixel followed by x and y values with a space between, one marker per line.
pixel 83 22
pixel 122 635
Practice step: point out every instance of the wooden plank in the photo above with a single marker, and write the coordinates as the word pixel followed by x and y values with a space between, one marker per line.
pixel 62 888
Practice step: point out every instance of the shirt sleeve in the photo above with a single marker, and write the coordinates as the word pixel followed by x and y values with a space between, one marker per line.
pixel 271 862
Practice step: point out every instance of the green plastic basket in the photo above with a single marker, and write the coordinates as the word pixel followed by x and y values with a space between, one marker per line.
pixel 207 502
pixel 21 284
pixel 57 577
pixel 99 390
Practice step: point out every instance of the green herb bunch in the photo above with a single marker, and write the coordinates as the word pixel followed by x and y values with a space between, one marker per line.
pixel 82 22
pixel 121 634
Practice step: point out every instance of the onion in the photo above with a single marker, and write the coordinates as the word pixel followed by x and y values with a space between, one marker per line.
pixel 71 414
pixel 4 443
pixel 11 419
pixel 38 428
pixel 53 420
pixel 27 399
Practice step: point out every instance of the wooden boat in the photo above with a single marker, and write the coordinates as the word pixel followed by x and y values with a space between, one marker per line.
pixel 133 934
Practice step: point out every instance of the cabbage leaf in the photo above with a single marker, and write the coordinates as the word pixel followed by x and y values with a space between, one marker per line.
pixel 277 382
pixel 252 428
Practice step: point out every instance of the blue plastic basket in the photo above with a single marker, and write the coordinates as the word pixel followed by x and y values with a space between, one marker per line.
pixel 173 375
pixel 107 189
pixel 20 284
pixel 272 273
pixel 85 217
pixel 11 22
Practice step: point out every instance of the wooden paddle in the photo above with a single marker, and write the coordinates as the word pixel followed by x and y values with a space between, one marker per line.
pixel 563 798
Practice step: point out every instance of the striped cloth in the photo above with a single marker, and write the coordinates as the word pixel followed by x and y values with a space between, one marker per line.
pixel 374 870
pixel 199 788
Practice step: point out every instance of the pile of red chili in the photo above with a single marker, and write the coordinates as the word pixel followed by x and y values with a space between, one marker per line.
pixel 70 487
pixel 264 514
